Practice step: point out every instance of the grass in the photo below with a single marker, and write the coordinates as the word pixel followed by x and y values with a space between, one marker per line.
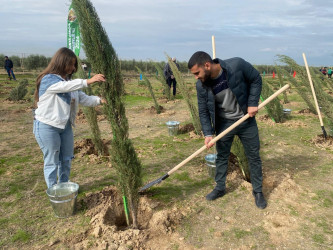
pixel 21 236
pixel 28 220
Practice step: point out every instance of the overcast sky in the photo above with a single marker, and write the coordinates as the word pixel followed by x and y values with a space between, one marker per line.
pixel 147 29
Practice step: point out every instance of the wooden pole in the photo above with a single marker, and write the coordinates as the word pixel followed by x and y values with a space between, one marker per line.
pixel 314 96
pixel 213 45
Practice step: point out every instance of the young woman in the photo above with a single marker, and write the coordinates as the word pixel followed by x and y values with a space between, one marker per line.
pixel 57 99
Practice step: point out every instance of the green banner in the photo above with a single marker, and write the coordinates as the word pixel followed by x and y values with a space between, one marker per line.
pixel 73 32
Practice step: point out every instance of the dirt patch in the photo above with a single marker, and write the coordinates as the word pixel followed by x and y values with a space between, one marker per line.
pixel 87 147
pixel 324 143
pixel 108 222
pixel 266 119
pixel 281 221
pixel 81 117
pixel 304 111
pixel 152 109
pixel 183 129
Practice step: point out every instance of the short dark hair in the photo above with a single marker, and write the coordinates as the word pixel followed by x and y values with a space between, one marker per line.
pixel 199 58
pixel 6 56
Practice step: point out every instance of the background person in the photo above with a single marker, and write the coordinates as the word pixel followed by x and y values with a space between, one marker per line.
pixel 226 91
pixel 57 100
pixel 9 68
pixel 329 73
pixel 84 66
pixel 170 78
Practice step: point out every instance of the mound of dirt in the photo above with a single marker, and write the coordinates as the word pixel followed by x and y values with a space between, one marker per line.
pixel 87 147
pixel 108 222
pixel 320 142
pixel 304 111
pixel 81 117
pixel 183 129
pixel 152 109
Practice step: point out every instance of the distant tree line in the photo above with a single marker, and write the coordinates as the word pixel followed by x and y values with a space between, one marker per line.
pixel 38 62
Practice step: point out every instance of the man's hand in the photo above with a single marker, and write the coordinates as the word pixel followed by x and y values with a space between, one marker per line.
pixel 252 111
pixel 207 141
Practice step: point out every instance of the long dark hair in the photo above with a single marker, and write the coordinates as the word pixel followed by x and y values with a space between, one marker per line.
pixel 59 64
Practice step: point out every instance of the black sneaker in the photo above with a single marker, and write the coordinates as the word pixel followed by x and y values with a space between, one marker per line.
pixel 260 200
pixel 215 194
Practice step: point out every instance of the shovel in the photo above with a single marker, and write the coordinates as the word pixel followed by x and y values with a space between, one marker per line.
pixel 314 97
pixel 245 117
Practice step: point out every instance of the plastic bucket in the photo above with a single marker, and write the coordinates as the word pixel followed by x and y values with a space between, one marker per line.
pixel 63 198
pixel 173 127
pixel 286 112
pixel 210 163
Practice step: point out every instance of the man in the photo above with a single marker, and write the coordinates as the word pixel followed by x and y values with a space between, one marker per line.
pixel 170 78
pixel 227 90
pixel 9 68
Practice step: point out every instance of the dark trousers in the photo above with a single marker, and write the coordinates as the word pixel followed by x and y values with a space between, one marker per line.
pixel 249 136
pixel 173 83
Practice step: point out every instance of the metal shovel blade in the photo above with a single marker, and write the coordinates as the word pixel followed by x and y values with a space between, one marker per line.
pixel 157 181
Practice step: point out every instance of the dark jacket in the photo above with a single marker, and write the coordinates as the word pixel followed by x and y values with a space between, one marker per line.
pixel 243 80
pixel 8 64
pixel 167 70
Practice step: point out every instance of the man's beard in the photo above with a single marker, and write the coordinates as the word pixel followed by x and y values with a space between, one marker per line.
pixel 207 77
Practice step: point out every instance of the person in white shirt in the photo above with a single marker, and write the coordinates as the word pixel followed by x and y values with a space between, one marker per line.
pixel 57 98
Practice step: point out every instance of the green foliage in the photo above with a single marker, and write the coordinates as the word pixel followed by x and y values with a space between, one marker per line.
pixel 285 97
pixel 161 78
pixel 324 99
pixel 186 93
pixel 20 91
pixel 91 115
pixel 238 150
pixel 35 62
pixel 103 59
pixel 299 82
pixel 150 88
pixel 303 87
pixel 274 108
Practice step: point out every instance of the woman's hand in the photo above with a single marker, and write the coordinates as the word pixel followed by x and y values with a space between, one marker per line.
pixel 103 101
pixel 96 78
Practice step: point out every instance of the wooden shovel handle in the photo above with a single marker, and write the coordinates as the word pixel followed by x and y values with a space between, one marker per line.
pixel 228 130
pixel 213 45
pixel 313 91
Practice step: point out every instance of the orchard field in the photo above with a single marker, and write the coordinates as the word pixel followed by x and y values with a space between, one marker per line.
pixel 297 166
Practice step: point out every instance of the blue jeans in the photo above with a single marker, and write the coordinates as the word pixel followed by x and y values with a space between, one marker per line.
pixel 10 71
pixel 249 136
pixel 57 146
